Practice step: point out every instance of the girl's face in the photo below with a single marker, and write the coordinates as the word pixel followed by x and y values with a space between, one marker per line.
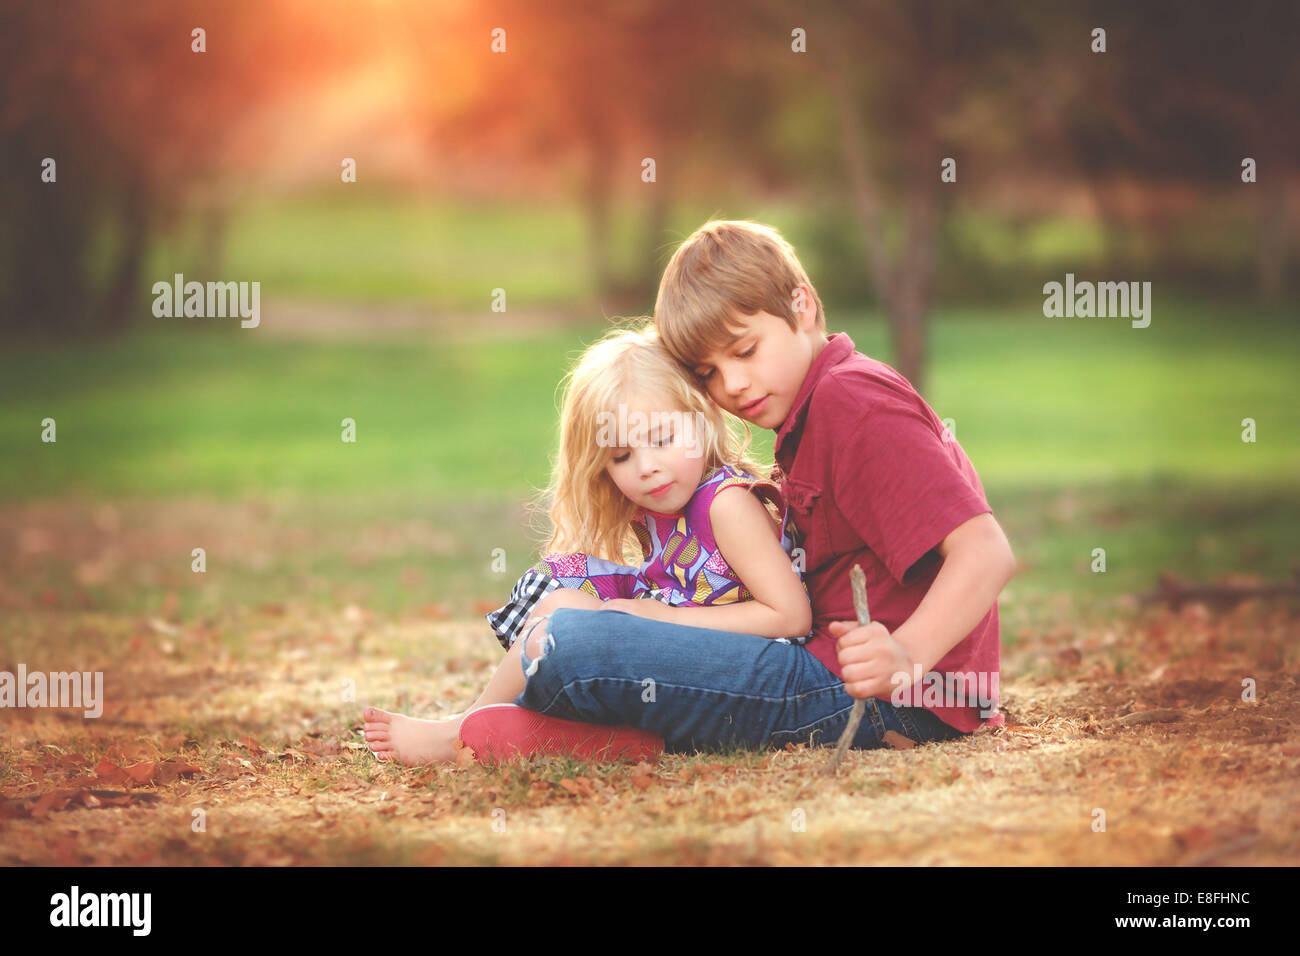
pixel 653 452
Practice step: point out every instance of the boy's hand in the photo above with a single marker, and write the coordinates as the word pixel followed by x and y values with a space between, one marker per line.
pixel 870 658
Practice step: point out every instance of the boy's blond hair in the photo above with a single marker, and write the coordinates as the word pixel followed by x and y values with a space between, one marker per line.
pixel 587 511
pixel 726 267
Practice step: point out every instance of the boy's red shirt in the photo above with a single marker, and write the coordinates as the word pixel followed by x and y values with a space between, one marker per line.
pixel 871 479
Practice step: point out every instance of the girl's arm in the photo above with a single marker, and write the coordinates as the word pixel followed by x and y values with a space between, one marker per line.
pixel 744 533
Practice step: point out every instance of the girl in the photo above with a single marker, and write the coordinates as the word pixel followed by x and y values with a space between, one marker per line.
pixel 647 466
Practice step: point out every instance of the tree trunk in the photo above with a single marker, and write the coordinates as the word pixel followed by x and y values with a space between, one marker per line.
pixel 47 282
pixel 597 195
pixel 908 321
pixel 1271 245
pixel 123 290
pixel 656 229
pixel 913 291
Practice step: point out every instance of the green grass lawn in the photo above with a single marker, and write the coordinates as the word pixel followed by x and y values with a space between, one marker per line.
pixel 366 247
pixel 1086 433
pixel 372 243
pixel 180 409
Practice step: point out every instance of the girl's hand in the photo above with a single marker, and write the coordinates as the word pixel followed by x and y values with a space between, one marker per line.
pixel 567 597
pixel 642 607
pixel 561 597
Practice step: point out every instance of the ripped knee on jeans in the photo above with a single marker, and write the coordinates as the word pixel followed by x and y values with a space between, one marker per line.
pixel 538 642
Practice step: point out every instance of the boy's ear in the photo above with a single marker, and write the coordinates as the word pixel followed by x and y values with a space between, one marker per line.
pixel 805 308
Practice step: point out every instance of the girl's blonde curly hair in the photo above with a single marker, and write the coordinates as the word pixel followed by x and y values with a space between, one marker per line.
pixel 586 510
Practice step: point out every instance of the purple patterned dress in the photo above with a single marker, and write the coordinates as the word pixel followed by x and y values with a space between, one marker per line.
pixel 682 564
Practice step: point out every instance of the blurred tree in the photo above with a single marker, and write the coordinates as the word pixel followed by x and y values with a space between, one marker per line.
pixel 133 118
pixel 599 88
pixel 904 81
pixel 1184 93
pixel 1014 88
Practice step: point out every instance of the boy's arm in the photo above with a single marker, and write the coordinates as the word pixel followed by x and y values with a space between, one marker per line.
pixel 897 484
pixel 977 564
pixel 743 532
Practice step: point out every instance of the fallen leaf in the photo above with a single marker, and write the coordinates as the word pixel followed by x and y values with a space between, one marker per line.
pixel 141 772
pixel 111 772
pixel 1156 716
pixel 464 755
pixel 169 770
pixel 898 741
pixel 64 798
pixel 134 752
pixel 53 800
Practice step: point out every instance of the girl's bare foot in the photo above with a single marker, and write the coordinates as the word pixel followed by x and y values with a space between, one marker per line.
pixel 410 740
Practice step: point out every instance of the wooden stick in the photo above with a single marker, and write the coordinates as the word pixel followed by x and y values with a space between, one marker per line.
pixel 858 581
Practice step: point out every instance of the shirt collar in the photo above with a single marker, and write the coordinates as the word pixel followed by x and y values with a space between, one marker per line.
pixel 838 347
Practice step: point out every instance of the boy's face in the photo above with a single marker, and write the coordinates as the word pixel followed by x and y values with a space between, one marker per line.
pixel 758 375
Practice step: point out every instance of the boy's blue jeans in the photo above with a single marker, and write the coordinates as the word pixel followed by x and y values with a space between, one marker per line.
pixel 700 688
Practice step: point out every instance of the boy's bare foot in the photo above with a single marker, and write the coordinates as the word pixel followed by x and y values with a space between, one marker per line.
pixel 410 740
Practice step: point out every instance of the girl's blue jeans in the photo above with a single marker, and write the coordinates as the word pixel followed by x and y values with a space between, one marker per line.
pixel 701 689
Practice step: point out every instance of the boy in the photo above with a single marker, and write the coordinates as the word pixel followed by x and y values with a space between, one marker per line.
pixel 870 474
pixel 870 477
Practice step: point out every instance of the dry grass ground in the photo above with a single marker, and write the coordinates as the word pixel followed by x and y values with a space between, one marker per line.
pixel 229 738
